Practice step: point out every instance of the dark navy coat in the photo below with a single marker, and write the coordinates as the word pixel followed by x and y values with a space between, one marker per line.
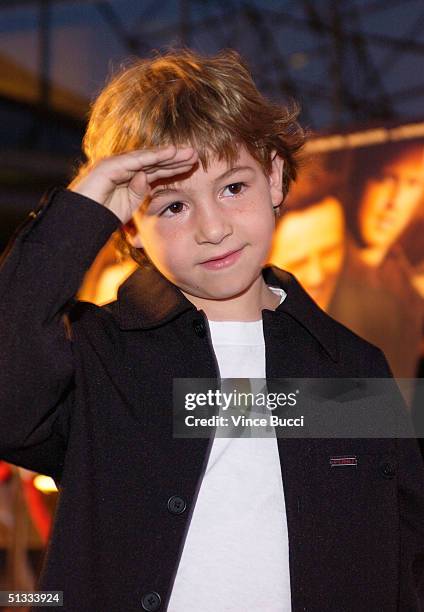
pixel 86 397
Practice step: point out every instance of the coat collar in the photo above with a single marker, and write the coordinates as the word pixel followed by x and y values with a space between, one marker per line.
pixel 147 299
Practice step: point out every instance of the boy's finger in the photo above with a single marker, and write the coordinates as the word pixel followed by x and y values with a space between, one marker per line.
pixel 160 172
pixel 151 177
pixel 161 154
pixel 129 163
pixel 169 167
pixel 149 154
pixel 174 168
pixel 141 155
pixel 148 160
pixel 174 161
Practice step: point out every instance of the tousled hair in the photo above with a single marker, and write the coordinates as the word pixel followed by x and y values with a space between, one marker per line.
pixel 183 98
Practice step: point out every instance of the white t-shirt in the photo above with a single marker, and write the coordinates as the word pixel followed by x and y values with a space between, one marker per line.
pixel 236 555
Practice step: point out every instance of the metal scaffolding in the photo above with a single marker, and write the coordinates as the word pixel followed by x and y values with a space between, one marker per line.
pixel 327 54
pixel 349 63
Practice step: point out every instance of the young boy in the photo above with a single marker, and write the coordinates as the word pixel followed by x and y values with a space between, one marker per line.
pixel 194 163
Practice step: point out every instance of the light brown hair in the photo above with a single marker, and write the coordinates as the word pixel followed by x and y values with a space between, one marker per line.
pixel 182 97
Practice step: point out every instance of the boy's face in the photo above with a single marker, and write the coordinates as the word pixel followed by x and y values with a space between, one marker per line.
pixel 197 216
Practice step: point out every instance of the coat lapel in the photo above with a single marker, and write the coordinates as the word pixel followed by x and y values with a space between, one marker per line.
pixel 147 299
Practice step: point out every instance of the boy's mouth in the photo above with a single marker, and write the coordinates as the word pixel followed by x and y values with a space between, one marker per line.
pixel 223 256
pixel 223 260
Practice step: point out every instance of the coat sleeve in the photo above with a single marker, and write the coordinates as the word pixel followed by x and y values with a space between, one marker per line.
pixel 410 478
pixel 41 270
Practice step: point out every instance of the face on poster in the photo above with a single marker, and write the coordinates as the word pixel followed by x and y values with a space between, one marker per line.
pixel 373 203
pixel 391 197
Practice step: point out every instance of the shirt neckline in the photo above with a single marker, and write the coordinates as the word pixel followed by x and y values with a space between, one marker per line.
pixel 258 322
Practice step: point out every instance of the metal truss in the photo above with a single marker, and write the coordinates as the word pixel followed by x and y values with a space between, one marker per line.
pixel 348 62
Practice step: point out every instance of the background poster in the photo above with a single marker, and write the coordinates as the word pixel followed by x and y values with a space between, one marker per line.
pixel 352 232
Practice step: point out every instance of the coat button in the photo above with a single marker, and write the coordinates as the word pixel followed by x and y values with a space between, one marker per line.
pixel 151 601
pixel 199 327
pixel 388 470
pixel 176 504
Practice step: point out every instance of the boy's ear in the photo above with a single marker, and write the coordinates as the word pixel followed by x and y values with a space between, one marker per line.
pixel 132 234
pixel 275 179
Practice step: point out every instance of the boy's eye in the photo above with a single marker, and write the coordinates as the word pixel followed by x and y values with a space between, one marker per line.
pixel 236 186
pixel 173 208
pixel 176 207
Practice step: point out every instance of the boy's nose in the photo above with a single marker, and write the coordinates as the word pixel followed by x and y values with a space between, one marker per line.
pixel 212 225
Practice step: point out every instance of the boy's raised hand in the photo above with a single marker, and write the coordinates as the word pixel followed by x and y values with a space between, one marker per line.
pixel 121 182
